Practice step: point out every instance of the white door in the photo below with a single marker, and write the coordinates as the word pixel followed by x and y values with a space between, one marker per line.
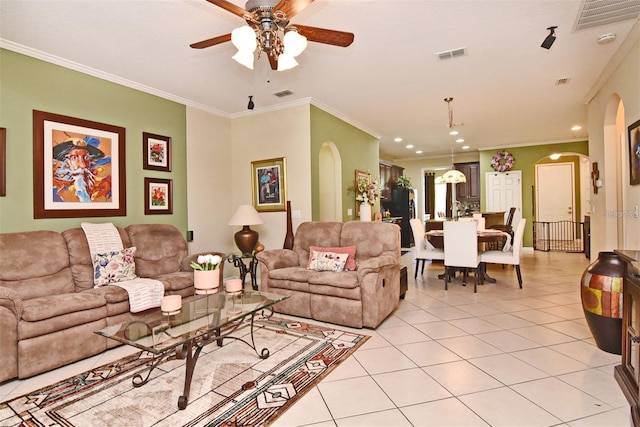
pixel 504 191
pixel 555 197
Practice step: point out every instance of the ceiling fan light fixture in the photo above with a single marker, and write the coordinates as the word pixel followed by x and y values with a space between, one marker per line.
pixel 244 57
pixel 244 39
pixel 294 42
pixel 286 62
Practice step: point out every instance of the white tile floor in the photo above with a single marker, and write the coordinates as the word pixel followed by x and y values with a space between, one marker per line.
pixel 502 357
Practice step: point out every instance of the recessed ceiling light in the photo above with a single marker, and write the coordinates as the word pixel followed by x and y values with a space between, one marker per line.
pixel 465 147
pixel 398 139
pixel 459 140
pixel 554 156
pixel 419 152
pixel 576 127
pixel 454 132
pixel 410 146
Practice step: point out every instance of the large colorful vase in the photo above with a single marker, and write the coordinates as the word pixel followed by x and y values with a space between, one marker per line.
pixel 601 292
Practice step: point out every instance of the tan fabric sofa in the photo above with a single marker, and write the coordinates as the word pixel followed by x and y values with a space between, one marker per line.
pixel 361 298
pixel 49 308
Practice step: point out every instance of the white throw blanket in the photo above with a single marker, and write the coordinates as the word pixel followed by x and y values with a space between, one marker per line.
pixel 143 293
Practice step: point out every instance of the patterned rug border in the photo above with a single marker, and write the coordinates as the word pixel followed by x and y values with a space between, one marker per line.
pixel 24 410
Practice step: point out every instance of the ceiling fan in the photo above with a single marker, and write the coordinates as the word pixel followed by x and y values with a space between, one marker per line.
pixel 271 32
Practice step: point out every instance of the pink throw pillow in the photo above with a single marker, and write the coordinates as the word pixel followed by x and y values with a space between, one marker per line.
pixel 351 250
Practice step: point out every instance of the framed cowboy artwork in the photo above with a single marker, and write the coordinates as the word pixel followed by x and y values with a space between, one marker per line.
pixel 79 167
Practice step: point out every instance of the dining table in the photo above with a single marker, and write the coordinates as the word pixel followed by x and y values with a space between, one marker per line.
pixel 436 238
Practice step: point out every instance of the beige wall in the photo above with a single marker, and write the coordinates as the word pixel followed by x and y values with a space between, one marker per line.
pixel 209 202
pixel 260 136
pixel 623 84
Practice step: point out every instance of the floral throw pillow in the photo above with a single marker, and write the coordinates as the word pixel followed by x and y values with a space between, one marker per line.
pixel 114 266
pixel 327 261
pixel 350 250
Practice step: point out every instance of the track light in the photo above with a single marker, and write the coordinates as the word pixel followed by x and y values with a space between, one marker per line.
pixel 250 105
pixel 550 38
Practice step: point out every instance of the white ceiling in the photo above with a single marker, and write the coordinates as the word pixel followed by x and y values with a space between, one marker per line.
pixel 389 82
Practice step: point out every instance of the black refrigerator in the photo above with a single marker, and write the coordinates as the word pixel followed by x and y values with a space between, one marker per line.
pixel 401 205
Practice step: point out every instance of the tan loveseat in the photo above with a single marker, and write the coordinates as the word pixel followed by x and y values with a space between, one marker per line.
pixel 49 308
pixel 360 298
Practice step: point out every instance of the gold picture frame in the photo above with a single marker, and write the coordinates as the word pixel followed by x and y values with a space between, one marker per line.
pixel 269 185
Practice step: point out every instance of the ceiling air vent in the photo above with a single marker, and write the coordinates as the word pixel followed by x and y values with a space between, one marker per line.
pixel 562 81
pixel 283 93
pixel 595 13
pixel 452 53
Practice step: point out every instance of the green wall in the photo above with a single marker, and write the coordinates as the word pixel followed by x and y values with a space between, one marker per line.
pixel 525 161
pixel 358 150
pixel 28 84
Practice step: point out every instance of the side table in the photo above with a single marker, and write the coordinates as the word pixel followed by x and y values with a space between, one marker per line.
pixel 252 268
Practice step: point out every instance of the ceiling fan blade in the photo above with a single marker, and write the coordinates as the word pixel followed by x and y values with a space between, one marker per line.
pixel 211 42
pixel 322 35
pixel 292 7
pixel 229 7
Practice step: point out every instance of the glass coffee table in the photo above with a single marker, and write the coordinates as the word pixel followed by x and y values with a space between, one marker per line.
pixel 212 318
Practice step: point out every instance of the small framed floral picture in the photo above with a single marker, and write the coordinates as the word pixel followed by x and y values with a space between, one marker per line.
pixel 156 154
pixel 158 196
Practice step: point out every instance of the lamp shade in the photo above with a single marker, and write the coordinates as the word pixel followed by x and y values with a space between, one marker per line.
pixel 246 215
pixel 453 176
pixel 246 239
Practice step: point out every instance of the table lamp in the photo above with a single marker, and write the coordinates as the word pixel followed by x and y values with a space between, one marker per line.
pixel 246 239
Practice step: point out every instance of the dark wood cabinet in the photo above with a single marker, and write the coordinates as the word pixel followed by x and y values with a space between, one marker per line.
pixel 469 190
pixel 628 373
pixel 389 174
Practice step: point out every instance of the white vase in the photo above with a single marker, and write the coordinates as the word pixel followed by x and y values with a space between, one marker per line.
pixel 206 280
pixel 365 212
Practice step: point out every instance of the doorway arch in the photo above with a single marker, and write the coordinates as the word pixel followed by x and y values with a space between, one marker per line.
pixel 329 182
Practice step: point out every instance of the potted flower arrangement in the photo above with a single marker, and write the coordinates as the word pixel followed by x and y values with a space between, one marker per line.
pixel 206 278
pixel 206 262
pixel 366 193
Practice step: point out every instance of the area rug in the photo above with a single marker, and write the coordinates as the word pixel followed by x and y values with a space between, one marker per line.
pixel 231 384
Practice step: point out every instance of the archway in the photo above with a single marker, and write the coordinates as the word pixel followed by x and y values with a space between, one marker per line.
pixel 329 186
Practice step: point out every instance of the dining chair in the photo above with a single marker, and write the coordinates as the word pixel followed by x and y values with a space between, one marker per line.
pixel 461 250
pixel 507 227
pixel 424 249
pixel 511 256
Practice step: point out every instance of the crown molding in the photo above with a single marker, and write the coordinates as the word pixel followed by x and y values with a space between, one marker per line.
pixel 34 53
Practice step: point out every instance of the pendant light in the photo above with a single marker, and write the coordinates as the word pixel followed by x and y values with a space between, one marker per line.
pixel 452 176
